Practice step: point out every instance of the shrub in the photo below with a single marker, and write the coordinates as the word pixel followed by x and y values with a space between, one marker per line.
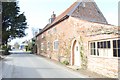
pixel 6 50
pixel 66 62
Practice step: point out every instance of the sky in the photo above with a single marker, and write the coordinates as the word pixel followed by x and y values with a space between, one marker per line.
pixel 38 12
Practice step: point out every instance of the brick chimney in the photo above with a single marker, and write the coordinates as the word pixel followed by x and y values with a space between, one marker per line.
pixel 53 16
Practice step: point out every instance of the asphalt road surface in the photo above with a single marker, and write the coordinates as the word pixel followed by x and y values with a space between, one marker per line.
pixel 32 66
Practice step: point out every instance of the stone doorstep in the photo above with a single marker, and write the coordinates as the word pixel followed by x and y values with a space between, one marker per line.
pixel 74 67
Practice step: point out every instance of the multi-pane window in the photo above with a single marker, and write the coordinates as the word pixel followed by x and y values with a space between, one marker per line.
pixel 103 44
pixel 108 48
pixel 56 44
pixel 93 49
pixel 116 48
pixel 103 48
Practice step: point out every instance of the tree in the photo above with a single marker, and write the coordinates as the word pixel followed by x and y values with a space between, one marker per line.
pixel 13 23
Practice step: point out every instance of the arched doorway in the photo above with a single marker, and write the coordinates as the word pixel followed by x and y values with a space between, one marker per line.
pixel 75 55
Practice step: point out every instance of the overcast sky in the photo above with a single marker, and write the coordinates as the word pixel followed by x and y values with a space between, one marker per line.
pixel 38 12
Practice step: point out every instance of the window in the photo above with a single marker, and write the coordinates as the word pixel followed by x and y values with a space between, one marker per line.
pixel 93 49
pixel 103 44
pixel 48 45
pixel 100 48
pixel 103 48
pixel 54 30
pixel 42 46
pixel 116 48
pixel 56 45
pixel 42 36
pixel 76 48
pixel 48 31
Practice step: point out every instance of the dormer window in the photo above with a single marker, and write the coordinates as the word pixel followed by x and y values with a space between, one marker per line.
pixel 42 36
pixel 48 31
pixel 54 30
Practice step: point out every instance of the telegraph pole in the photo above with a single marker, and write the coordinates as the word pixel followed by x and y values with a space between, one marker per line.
pixel 0 29
pixel 0 24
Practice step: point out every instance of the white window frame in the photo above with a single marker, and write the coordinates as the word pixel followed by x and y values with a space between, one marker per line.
pixel 107 55
pixel 54 46
pixel 48 46
pixel 93 49
pixel 116 48
pixel 110 50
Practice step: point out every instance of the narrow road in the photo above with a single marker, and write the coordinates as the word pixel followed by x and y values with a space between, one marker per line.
pixel 32 66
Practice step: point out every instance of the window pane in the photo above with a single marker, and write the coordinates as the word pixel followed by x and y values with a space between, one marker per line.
pixel 101 44
pixel 94 45
pixel 118 52
pixel 118 43
pixel 56 45
pixel 97 52
pixel 98 45
pixel 108 43
pixel 94 52
pixel 105 44
pixel 114 43
pixel 91 51
pixel 91 45
pixel 114 52
pixel 42 46
pixel 76 48
pixel 48 45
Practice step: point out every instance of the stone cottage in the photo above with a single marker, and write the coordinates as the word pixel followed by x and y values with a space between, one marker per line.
pixel 82 37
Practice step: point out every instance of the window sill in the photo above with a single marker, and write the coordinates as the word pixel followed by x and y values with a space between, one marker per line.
pixel 105 57
pixel 55 49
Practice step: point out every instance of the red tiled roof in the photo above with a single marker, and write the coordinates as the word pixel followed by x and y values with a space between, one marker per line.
pixel 61 16
pixel 65 12
pixel 83 14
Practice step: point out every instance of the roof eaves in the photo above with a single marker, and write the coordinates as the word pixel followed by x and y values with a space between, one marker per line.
pixel 64 17
pixel 49 26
